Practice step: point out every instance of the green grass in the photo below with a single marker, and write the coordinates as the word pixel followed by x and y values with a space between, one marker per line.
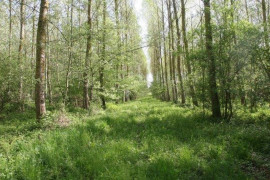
pixel 145 139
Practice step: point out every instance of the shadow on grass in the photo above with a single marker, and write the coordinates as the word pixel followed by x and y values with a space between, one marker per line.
pixel 146 139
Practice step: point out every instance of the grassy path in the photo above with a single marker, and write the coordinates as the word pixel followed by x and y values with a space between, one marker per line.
pixel 145 139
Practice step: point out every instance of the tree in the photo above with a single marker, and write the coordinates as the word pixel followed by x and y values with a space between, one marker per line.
pixel 212 64
pixel 116 11
pixel 189 71
pixel 179 68
pixel 21 46
pixel 32 92
pixel 266 65
pixel 101 70
pixel 86 100
pixel 165 55
pixel 266 38
pixel 172 53
pixel 10 29
pixel 70 51
pixel 40 60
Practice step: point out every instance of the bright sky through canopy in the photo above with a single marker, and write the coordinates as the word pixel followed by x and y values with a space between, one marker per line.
pixel 143 24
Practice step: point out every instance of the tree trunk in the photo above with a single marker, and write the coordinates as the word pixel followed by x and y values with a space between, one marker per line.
pixel 189 71
pixel 10 29
pixel 212 64
pixel 179 71
pixel 266 65
pixel 165 55
pixel 86 100
pixel 116 11
pixel 9 40
pixel 172 56
pixel 21 46
pixel 266 39
pixel 48 65
pixel 126 44
pixel 162 78
pixel 40 60
pixel 247 12
pixel 70 52
pixel 101 70
pixel 33 48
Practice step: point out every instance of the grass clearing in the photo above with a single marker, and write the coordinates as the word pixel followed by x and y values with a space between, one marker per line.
pixel 145 139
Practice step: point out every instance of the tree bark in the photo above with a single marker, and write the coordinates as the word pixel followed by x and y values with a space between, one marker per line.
pixel 70 52
pixel 179 69
pixel 101 70
pixel 125 99
pixel 86 100
pixel 165 55
pixel 162 78
pixel 116 11
pixel 266 39
pixel 172 56
pixel 21 46
pixel 33 48
pixel 266 65
pixel 212 64
pixel 247 12
pixel 169 52
pixel 10 29
pixel 189 71
pixel 48 65
pixel 40 60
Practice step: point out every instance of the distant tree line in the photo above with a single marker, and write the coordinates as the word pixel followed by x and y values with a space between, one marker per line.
pixel 69 53
pixel 213 54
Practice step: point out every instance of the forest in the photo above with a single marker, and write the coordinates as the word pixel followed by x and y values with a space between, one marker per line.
pixel 134 89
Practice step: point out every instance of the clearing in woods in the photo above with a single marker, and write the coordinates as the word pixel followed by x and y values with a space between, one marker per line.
pixel 145 139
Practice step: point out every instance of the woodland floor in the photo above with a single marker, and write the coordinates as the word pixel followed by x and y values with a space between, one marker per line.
pixel 144 139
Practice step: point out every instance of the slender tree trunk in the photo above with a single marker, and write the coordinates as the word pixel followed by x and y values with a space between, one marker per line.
pixel 157 55
pixel 266 39
pixel 101 70
pixel 125 99
pixel 116 10
pixel 9 40
pixel 268 12
pixel 86 100
pixel 161 60
pixel 189 71
pixel 266 65
pixel 247 12
pixel 165 55
pixel 227 45
pixel 40 60
pixel 204 64
pixel 80 24
pixel 155 77
pixel 179 71
pixel 10 29
pixel 33 47
pixel 48 64
pixel 70 52
pixel 21 46
pixel 229 92
pixel 162 72
pixel 172 51
pixel 212 64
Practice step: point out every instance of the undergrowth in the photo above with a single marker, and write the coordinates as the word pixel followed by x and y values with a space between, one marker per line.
pixel 145 139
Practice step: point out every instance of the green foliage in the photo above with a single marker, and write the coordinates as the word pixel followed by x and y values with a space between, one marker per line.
pixel 145 139
pixel 156 90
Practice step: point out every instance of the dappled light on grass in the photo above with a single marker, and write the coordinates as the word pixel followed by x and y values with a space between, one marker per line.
pixel 146 139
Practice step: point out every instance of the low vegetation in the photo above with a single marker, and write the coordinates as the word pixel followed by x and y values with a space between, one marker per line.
pixel 145 139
